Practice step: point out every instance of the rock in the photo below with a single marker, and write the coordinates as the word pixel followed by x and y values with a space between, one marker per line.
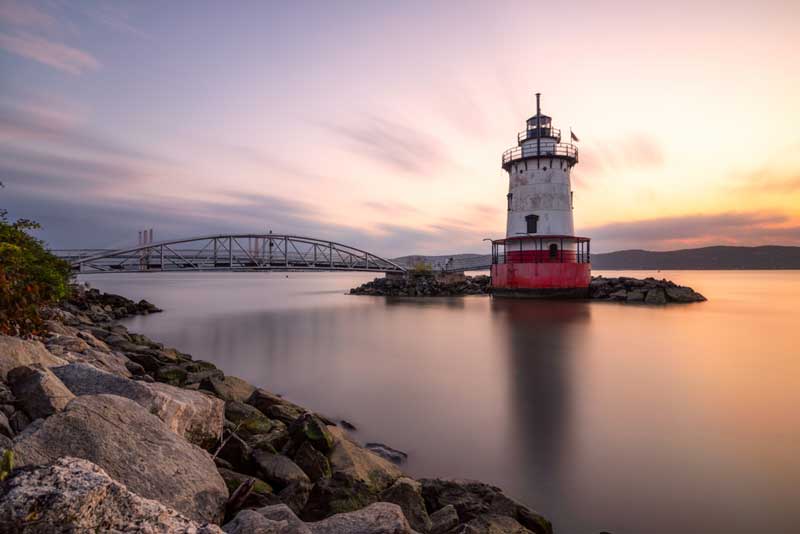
pixel 471 499
pixel 278 469
pixel 237 452
pixel 260 495
pixel 336 495
pixel 655 296
pixel 15 352
pixel 407 494
pixel 357 463
pixel 494 524
pixel 272 441
pixel 5 426
pixel 683 294
pixel 619 295
pixel 248 419
pixel 284 514
pixel 38 391
pixel 195 416
pixel 275 407
pixel 347 425
pixel 228 388
pixel 393 455
pixel 635 296
pixel 19 421
pixel 252 522
pixel 309 428
pixel 312 462
pixel 444 519
pixel 296 495
pixel 74 495
pixel 135 448
pixel 378 518
pixel 107 361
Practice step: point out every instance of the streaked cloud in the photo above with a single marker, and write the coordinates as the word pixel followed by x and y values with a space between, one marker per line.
pixel 392 144
pixel 47 52
pixel 25 14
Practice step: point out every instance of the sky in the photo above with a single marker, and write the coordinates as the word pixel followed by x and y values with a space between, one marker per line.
pixel 381 124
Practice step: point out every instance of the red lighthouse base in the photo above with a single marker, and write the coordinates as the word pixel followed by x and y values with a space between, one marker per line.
pixel 540 267
pixel 541 280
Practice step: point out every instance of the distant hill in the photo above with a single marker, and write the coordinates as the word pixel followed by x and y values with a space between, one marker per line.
pixel 766 257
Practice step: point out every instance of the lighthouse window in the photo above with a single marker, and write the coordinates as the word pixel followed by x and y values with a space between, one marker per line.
pixel 544 168
pixel 553 251
pixel 532 222
pixel 509 196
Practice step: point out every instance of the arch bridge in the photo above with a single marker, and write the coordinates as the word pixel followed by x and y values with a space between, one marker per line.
pixel 239 252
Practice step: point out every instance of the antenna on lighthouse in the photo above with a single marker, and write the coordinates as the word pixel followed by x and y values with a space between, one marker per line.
pixel 538 128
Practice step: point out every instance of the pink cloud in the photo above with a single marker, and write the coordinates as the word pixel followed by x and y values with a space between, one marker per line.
pixel 25 15
pixel 50 53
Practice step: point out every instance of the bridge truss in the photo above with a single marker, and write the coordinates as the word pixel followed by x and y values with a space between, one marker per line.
pixel 241 252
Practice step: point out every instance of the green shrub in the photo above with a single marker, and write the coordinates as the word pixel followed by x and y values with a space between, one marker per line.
pixel 30 277
pixel 421 269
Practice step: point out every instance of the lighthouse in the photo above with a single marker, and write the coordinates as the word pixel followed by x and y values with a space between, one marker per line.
pixel 540 256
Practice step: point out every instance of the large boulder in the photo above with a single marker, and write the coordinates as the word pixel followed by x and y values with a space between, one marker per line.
pixel 656 296
pixel 308 428
pixel 278 513
pixel 15 352
pixel 471 499
pixel 74 495
pixel 336 495
pixel 407 494
pixel 249 420
pixel 444 519
pixel 278 469
pixel 252 522
pixel 195 416
pixel 378 518
pixel 38 391
pixel 229 388
pixel 312 462
pixel 355 462
pixel 494 524
pixel 683 294
pixel 274 406
pixel 135 448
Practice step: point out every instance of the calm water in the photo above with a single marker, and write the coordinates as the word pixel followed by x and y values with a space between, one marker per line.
pixel 600 415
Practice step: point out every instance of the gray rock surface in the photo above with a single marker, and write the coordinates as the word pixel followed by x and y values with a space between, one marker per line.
pixel 444 519
pixel 135 448
pixel 274 406
pixel 357 463
pixel 656 296
pixel 378 518
pixel 278 469
pixel 38 391
pixel 252 522
pixel 407 494
pixel 472 499
pixel 15 352
pixel 229 388
pixel 74 495
pixel 494 524
pixel 196 416
pixel 281 512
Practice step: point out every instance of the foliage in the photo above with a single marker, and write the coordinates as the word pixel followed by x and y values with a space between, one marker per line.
pixel 421 269
pixel 6 463
pixel 30 277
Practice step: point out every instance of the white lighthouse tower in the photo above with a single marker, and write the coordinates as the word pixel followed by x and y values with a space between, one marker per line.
pixel 540 256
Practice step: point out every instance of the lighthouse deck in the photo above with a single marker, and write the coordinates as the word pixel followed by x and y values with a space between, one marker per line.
pixel 541 249
pixel 566 151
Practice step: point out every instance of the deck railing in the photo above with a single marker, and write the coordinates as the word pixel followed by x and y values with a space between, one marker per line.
pixel 563 150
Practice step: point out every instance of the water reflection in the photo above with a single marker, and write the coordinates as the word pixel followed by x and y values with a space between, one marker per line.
pixel 542 351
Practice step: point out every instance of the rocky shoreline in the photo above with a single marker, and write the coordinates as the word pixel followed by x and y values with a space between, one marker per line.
pixel 104 429
pixel 621 289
